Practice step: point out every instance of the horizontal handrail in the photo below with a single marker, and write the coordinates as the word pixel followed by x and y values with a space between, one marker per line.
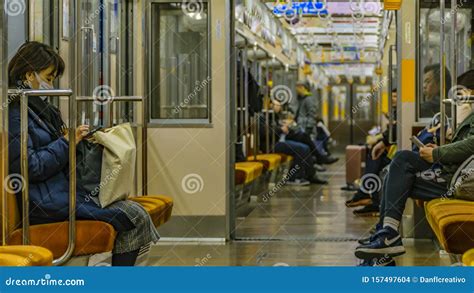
pixel 45 93
pixel 111 99
pixel 25 94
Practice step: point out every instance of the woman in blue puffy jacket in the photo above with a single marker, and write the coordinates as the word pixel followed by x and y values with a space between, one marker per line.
pixel 36 66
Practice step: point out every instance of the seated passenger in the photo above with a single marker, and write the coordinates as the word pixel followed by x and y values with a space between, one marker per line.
pixel 405 179
pixel 376 160
pixel 431 91
pixel 36 66
pixel 294 143
pixel 323 137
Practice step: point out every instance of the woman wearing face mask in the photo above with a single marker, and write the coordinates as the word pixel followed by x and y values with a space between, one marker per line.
pixel 36 66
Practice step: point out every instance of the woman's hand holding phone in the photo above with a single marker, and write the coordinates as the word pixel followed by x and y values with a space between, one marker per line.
pixel 81 132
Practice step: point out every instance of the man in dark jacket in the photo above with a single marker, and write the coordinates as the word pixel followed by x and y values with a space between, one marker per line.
pixel 305 115
pixel 415 175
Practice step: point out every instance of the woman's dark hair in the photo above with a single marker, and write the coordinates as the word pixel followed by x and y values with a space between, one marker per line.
pixel 33 57
pixel 467 79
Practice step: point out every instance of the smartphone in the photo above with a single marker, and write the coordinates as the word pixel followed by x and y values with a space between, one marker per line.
pixel 417 142
pixel 90 133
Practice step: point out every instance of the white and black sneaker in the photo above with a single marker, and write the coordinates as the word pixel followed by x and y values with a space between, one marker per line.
pixel 386 242
pixel 298 182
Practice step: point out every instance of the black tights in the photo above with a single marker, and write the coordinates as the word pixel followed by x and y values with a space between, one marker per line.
pixel 125 259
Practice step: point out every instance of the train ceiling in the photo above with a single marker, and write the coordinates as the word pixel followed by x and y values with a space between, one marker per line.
pixel 351 30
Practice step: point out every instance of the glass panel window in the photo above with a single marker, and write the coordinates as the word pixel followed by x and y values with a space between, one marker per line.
pixel 180 82
pixel 429 54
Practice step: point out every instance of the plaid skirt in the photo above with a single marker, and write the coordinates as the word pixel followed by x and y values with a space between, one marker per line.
pixel 142 235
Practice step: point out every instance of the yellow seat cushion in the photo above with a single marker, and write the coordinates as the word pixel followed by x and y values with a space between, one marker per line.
pixel 285 158
pixel 158 206
pixel 91 237
pixel 246 172
pixel 468 258
pixel 13 260
pixel 273 160
pixel 19 255
pixel 453 223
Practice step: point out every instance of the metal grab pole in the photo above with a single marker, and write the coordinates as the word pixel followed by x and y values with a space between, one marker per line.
pixel 24 169
pixel 24 95
pixel 4 119
pixel 267 108
pixel 390 85
pixel 442 81
pixel 454 69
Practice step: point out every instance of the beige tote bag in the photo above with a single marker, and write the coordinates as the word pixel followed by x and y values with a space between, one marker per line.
pixel 118 163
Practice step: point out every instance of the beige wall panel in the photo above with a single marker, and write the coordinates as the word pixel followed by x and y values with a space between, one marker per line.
pixel 174 153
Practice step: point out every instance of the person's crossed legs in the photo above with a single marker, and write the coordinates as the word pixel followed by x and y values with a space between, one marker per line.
pixel 406 178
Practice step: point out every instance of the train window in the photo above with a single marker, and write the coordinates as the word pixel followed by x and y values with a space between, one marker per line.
pixel 429 51
pixel 180 82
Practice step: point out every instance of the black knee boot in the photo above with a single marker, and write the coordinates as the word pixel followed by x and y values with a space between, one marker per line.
pixel 125 259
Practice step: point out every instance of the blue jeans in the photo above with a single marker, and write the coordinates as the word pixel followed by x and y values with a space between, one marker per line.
pixel 301 157
pixel 404 180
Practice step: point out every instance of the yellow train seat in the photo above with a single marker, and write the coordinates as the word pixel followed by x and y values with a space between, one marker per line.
pixel 453 223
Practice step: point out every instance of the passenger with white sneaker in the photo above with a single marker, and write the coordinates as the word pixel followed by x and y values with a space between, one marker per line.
pixel 405 180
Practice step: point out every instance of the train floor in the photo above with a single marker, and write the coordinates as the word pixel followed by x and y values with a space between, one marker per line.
pixel 298 226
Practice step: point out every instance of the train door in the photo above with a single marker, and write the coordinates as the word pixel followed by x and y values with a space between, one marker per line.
pixel 363 111
pixel 186 84
pixel 339 108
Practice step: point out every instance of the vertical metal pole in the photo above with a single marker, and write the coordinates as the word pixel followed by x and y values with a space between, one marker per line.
pixel 4 117
pixel 245 87
pixel 351 114
pixel 24 168
pixel 442 81
pixel 240 102
pixel 267 114
pixel 255 135
pixel 390 85
pixel 454 61
pixel 145 104
pixel 74 12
